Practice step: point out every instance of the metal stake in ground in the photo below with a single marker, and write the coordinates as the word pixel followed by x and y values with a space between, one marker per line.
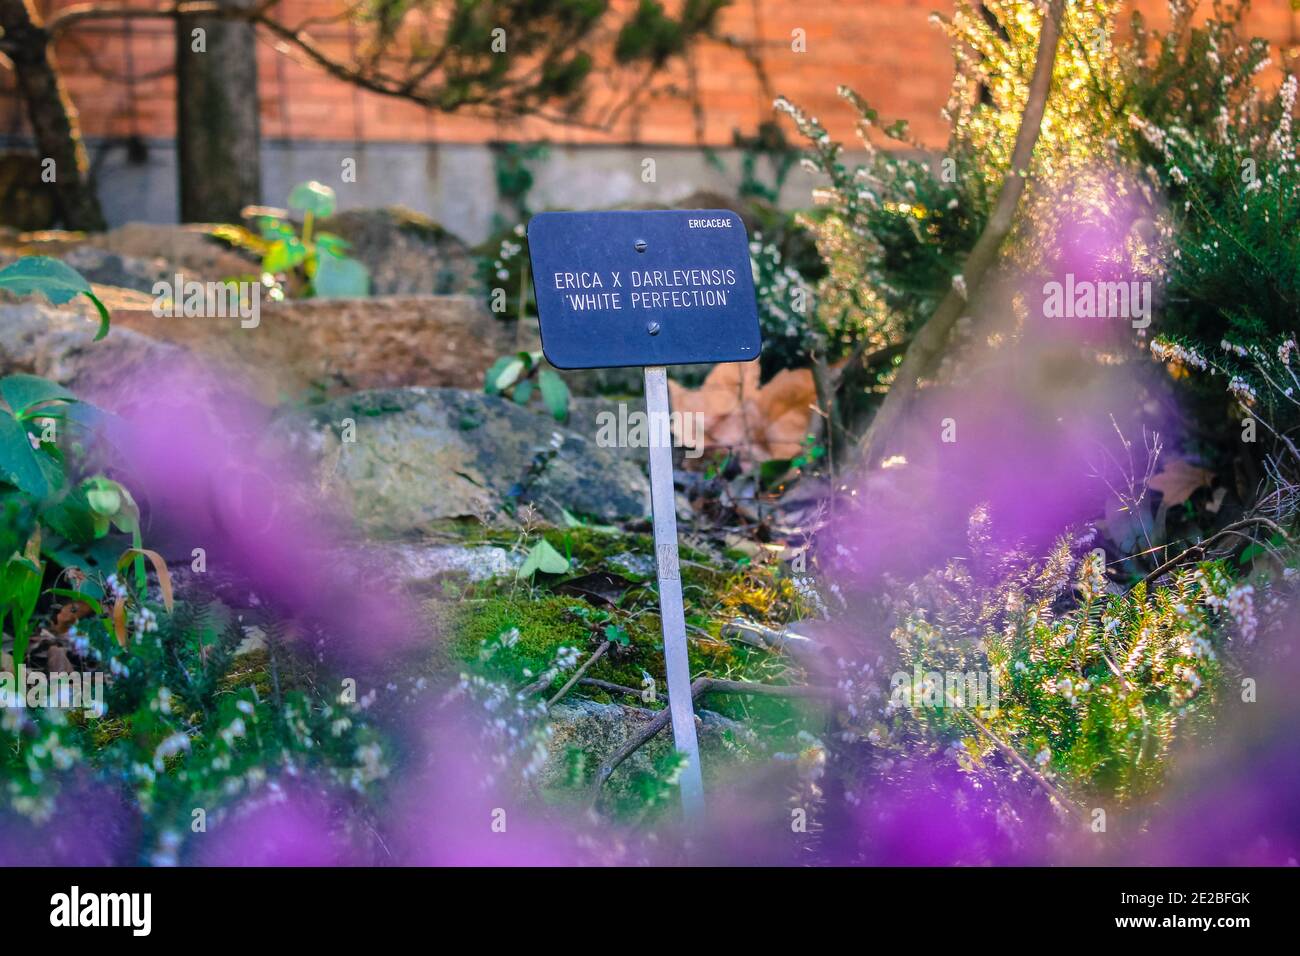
pixel 671 610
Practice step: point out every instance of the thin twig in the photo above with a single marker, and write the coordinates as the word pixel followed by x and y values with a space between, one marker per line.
pixel 577 675
pixel 1011 752
pixel 611 687
pixel 1203 546
pixel 699 686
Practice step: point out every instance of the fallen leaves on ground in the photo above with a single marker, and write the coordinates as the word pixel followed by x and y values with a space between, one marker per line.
pixel 757 422
pixel 1179 479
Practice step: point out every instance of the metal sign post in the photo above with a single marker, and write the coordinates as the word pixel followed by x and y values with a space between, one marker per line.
pixel 672 613
pixel 650 289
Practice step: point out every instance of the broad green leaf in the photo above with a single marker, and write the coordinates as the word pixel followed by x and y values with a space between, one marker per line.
pixel 103 496
pixel 334 245
pixel 23 392
pixel 617 635
pixel 554 393
pixel 543 558
pixel 506 375
pixel 494 372
pixel 71 595
pixel 340 278
pixel 19 462
pixel 284 254
pixel 273 229
pixel 54 279
pixel 313 197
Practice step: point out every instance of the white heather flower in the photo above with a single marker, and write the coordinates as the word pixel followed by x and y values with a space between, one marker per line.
pixel 234 731
pixel 1241 389
pixel 1043 757
pixel 170 746
pixel 1167 351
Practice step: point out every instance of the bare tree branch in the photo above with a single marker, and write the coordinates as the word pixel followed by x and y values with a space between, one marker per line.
pixel 931 339
pixel 699 686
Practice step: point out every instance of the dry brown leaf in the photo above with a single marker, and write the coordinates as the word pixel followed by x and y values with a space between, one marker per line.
pixel 159 567
pixel 119 620
pixel 68 615
pixel 1179 480
pixel 784 405
pixel 757 422
pixel 57 660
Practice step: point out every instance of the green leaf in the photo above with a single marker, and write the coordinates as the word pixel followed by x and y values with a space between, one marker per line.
pixel 284 254
pixel 313 197
pixel 523 392
pixel 72 519
pixel 554 393
pixel 54 279
pixel 103 496
pixel 273 229
pixel 71 595
pixel 493 373
pixel 504 372
pixel 334 245
pixel 543 558
pixel 338 278
pixel 615 634
pixel 19 464
pixel 24 392
pixel 104 319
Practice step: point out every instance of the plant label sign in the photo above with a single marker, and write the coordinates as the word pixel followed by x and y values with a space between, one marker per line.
pixel 660 287
pixel 655 288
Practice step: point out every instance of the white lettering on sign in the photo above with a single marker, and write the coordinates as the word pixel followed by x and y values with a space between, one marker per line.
pixel 578 280
pixel 708 223
pixel 656 288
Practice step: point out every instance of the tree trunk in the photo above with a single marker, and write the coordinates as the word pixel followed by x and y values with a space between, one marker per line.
pixel 931 339
pixel 218 131
pixel 52 115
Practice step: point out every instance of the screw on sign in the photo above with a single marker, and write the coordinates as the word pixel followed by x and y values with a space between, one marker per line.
pixel 659 288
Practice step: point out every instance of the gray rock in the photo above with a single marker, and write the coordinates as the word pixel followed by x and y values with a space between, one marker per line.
pixel 405 251
pixel 418 566
pixel 641 565
pixel 57 343
pixel 421 455
pixel 102 267
pixel 597 730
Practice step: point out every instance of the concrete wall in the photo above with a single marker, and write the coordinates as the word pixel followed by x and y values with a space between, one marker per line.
pixel 453 183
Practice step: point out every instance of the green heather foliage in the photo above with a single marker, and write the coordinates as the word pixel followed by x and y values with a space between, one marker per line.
pixel 185 722
pixel 1094 687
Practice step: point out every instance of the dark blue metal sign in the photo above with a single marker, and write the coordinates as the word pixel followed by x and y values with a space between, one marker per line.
pixel 661 287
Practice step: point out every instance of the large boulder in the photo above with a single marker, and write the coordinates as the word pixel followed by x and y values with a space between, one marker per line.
pixel 597 730
pixel 131 253
pixel 58 344
pixel 327 346
pixel 406 253
pixel 417 456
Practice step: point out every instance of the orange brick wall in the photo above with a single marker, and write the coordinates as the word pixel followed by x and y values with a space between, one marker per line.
pixel 886 49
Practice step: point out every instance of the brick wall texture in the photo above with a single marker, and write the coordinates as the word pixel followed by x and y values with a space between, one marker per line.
pixel 120 76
